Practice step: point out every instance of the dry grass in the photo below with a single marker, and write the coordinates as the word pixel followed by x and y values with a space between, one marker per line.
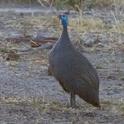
pixel 80 25
pixel 87 24
pixel 44 105
pixel 103 3
pixel 36 102
pixel 119 27
pixel 83 24
pixel 107 3
pixel 75 4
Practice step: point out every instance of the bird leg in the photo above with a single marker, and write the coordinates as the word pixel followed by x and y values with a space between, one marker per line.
pixel 49 71
pixel 72 100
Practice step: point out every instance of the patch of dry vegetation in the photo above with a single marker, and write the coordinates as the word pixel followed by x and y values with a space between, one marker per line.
pixel 55 108
pixel 85 24
pixel 80 25
pixel 119 27
pixel 71 4
pixel 107 3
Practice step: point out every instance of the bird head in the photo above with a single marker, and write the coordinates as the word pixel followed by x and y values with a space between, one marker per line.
pixel 64 20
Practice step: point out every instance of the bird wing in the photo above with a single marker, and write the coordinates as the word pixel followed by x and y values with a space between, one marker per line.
pixel 85 71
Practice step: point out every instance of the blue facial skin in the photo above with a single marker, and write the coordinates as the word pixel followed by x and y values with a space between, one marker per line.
pixel 64 20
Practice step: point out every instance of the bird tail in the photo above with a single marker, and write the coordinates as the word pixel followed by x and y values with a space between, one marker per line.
pixel 90 95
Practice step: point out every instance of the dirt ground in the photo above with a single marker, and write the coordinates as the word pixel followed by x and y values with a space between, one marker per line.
pixel 29 96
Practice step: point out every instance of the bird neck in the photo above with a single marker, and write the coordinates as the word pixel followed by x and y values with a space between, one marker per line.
pixel 65 29
pixel 65 36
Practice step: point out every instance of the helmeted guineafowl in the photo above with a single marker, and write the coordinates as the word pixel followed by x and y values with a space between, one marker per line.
pixel 73 70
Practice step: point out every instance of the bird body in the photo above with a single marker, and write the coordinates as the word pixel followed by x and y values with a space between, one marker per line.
pixel 73 71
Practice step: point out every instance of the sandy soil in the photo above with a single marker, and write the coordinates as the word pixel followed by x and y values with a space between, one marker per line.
pixel 29 96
